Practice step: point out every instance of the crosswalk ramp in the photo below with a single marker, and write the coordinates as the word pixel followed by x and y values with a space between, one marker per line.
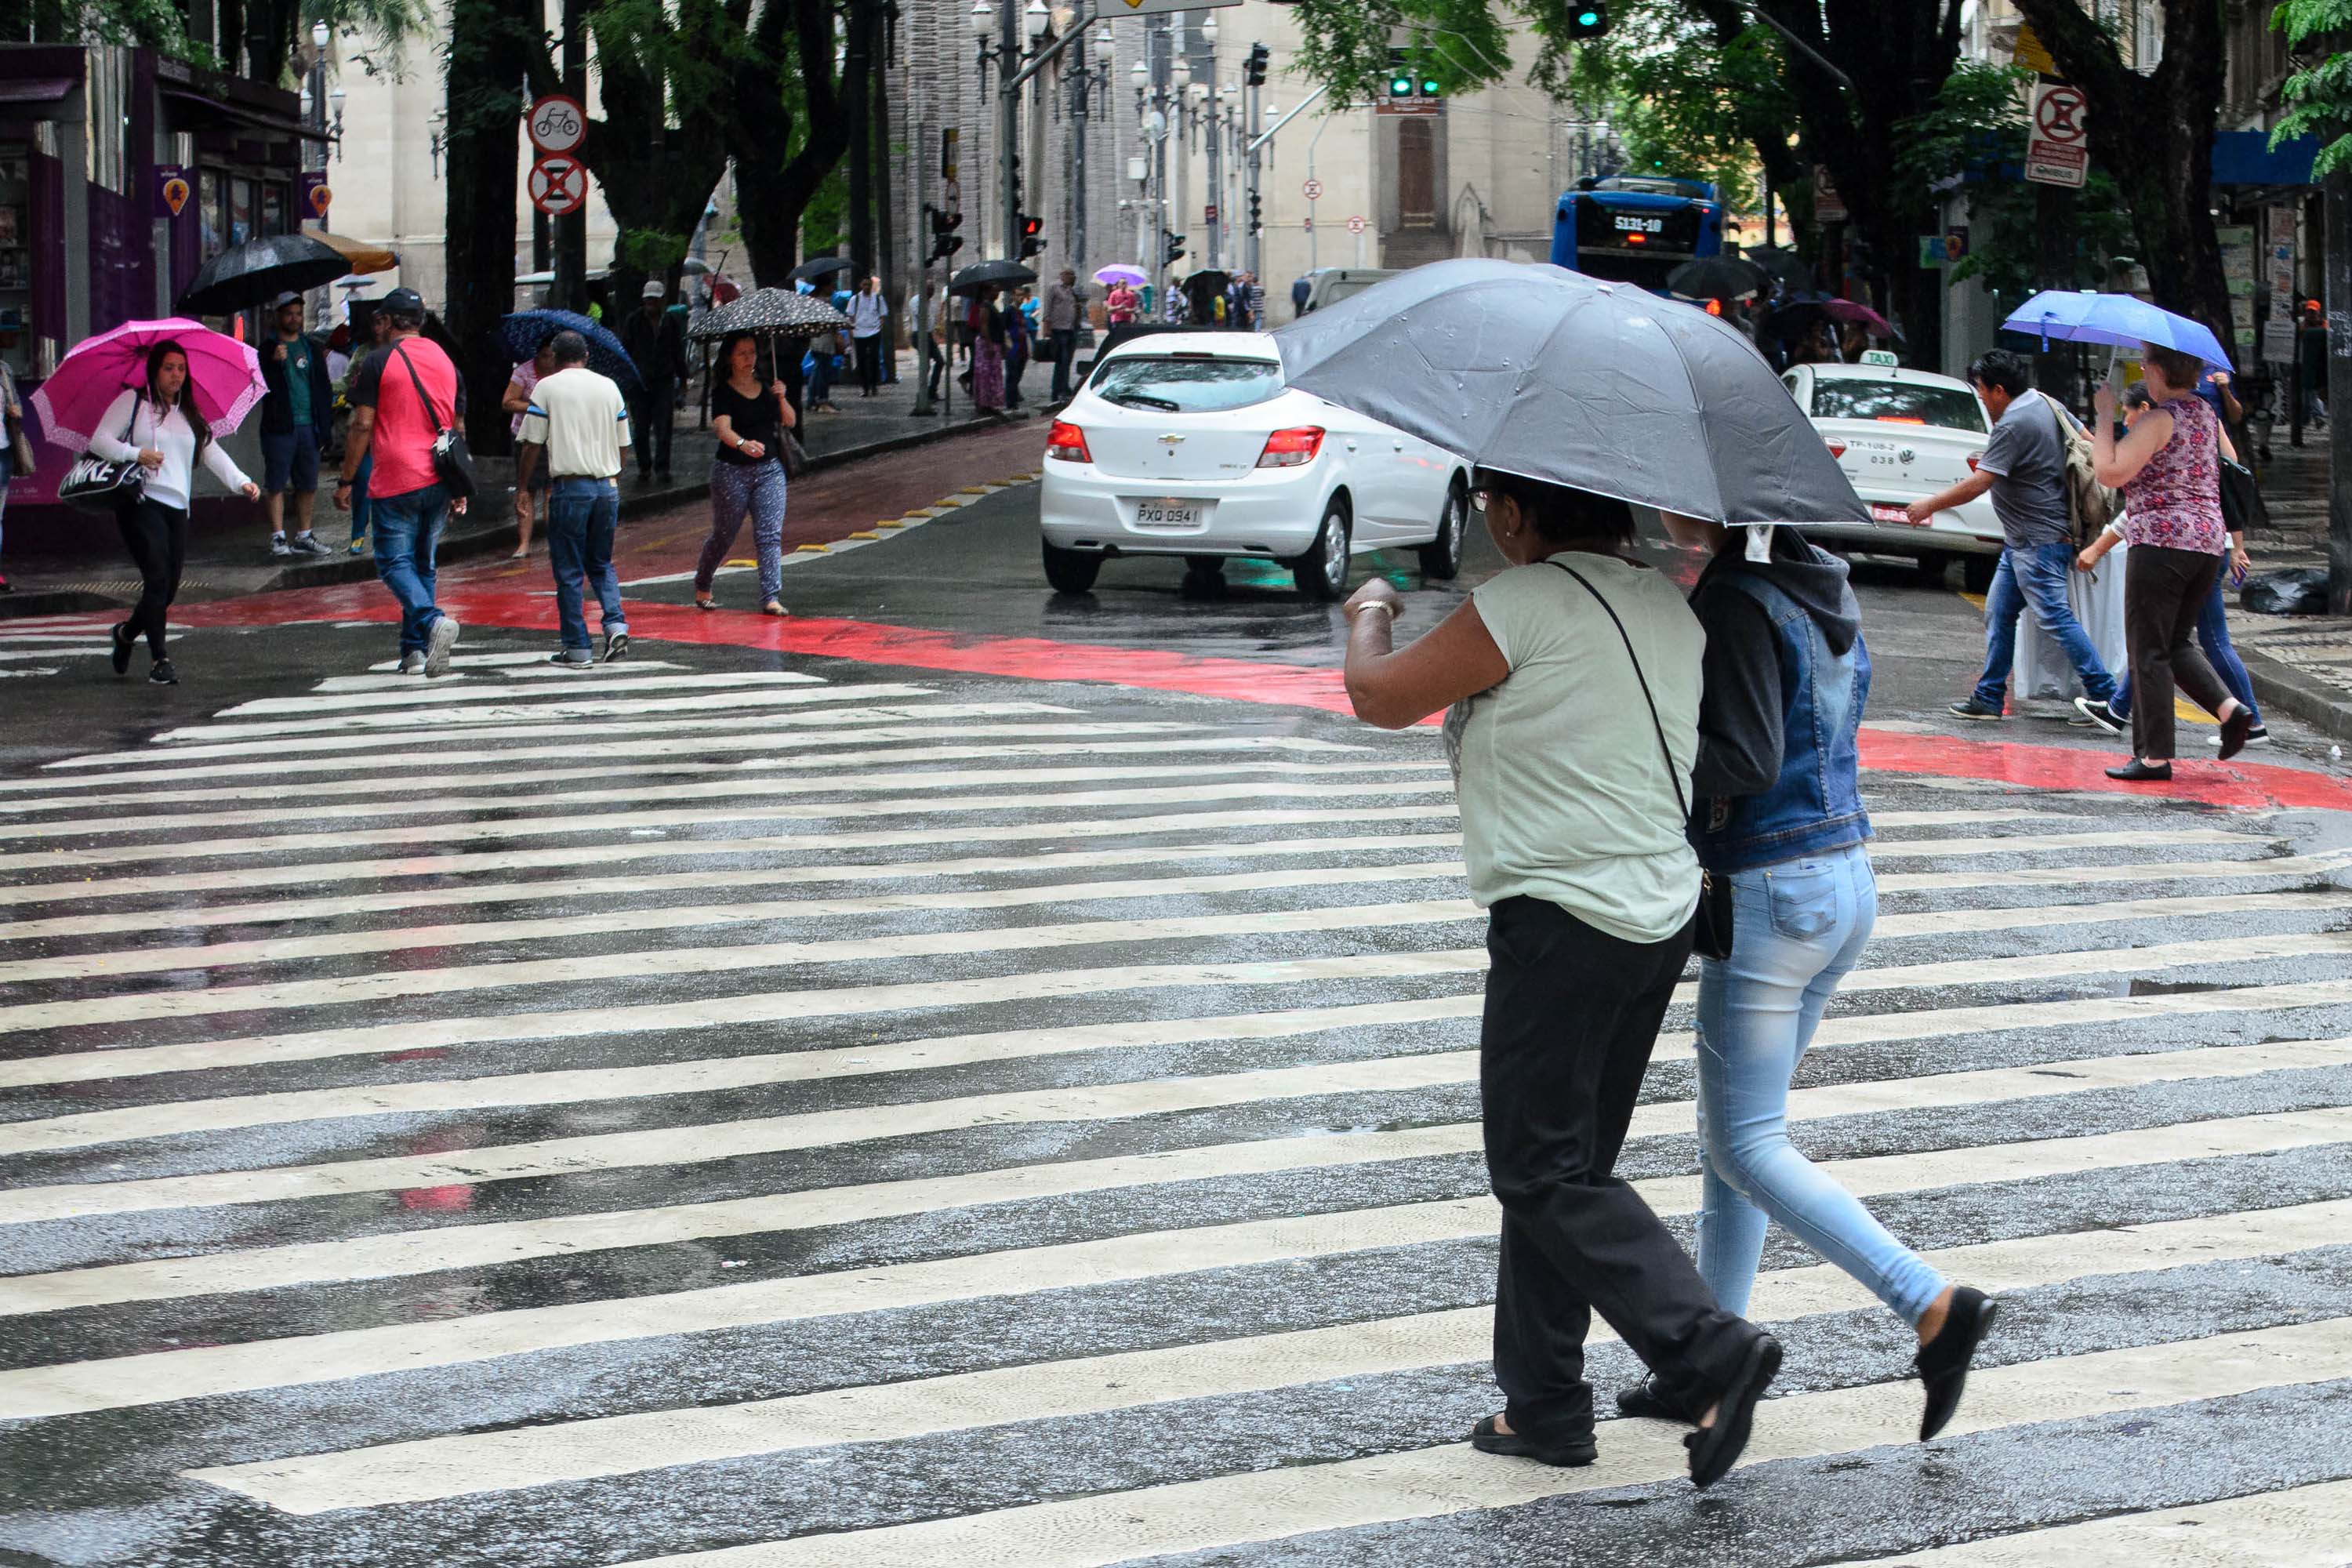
pixel 730 1114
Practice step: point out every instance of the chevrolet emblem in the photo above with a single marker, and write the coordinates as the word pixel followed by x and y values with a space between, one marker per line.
pixel 1171 440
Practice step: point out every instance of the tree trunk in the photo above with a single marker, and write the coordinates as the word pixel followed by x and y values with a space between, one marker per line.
pixel 857 95
pixel 489 45
pixel 773 182
pixel 885 210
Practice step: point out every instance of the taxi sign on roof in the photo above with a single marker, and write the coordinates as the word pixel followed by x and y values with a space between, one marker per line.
pixel 1880 357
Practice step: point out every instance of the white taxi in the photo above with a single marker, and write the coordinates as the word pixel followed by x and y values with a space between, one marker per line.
pixel 1902 435
pixel 1188 443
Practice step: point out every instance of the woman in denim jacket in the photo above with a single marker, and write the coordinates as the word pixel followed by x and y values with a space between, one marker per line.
pixel 1779 813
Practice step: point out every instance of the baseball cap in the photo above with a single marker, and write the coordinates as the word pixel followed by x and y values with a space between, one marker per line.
pixel 653 290
pixel 402 302
pixel 289 298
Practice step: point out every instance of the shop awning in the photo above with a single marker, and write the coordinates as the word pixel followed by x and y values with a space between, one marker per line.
pixel 37 90
pixel 2245 158
pixel 226 112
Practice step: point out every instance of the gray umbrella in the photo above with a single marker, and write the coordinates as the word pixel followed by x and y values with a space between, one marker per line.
pixel 772 312
pixel 1538 371
pixel 981 274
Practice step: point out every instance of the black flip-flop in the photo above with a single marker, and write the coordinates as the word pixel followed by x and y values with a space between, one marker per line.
pixel 1715 1449
pixel 1519 1446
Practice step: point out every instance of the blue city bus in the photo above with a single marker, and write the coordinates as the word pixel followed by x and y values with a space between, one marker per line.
pixel 1636 228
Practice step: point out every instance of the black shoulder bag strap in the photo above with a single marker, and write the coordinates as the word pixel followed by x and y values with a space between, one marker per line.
pixel 453 461
pixel 422 397
pixel 1712 926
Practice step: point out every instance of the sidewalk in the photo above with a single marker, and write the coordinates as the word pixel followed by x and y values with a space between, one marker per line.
pixel 218 569
pixel 2300 665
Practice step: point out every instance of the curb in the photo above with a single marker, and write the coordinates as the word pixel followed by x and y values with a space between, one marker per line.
pixel 490 541
pixel 2280 685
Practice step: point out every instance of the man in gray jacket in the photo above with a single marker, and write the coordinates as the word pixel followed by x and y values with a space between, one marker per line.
pixel 1061 321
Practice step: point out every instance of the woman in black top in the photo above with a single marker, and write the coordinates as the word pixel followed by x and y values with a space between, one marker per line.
pixel 751 422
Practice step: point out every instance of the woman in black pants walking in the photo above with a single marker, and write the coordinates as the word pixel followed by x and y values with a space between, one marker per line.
pixel 1572 741
pixel 159 427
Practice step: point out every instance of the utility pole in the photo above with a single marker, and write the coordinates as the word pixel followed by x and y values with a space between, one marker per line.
pixel 570 291
pixel 1256 165
pixel 1008 133
pixel 1215 135
pixel 1081 97
pixel 2337 189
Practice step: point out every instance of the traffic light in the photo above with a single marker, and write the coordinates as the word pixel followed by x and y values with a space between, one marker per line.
pixel 1401 75
pixel 1256 222
pixel 1254 68
pixel 945 240
pixel 1175 246
pixel 1587 21
pixel 1032 237
pixel 1430 86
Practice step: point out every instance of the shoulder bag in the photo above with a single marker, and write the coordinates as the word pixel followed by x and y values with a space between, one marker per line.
pixel 2090 504
pixel 453 460
pixel 2242 499
pixel 1711 926
pixel 102 484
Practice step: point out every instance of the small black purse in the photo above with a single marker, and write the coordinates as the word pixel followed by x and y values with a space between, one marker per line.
pixel 1711 925
pixel 102 484
pixel 453 460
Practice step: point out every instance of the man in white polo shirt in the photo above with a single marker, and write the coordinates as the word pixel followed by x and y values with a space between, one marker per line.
pixel 580 421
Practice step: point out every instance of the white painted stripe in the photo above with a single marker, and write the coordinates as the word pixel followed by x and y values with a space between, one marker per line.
pixel 609 853
pixel 474 661
pixel 444 1247
pixel 744 782
pixel 440 834
pixel 768 878
pixel 605 679
pixel 287 950
pixel 668 960
pixel 58 653
pixel 458 720
pixel 1232 1511
pixel 2327 864
pixel 2301 1527
pixel 1067 740
pixel 392 747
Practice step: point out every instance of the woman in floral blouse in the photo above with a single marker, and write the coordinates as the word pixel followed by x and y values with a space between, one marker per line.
pixel 2169 467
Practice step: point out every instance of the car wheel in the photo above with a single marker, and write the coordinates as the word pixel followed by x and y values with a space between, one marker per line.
pixel 1072 570
pixel 1322 571
pixel 1442 557
pixel 1933 565
pixel 1976 571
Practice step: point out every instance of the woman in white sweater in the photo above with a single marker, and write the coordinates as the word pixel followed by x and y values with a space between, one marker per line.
pixel 160 428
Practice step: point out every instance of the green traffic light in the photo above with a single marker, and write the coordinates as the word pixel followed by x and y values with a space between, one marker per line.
pixel 1399 87
pixel 1429 87
pixel 1587 18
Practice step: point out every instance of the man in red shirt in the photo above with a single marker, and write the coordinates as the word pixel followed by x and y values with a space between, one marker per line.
pixel 402 396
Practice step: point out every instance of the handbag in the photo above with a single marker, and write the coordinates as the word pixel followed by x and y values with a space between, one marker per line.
pixel 453 460
pixel 102 484
pixel 2242 499
pixel 1711 925
pixel 795 455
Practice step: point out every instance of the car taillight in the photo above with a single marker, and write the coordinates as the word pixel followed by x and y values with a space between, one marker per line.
pixel 1972 461
pixel 1069 443
pixel 1837 448
pixel 1289 448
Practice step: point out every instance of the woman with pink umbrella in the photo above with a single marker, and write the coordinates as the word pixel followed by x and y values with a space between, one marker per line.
pixel 153 393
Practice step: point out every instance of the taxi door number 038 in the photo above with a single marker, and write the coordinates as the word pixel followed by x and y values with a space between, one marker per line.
pixel 1641 224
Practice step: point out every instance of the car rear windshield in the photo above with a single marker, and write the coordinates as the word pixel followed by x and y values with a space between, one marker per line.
pixel 1904 402
pixel 1187 384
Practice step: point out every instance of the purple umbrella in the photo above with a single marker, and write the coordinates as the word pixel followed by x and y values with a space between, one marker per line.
pixel 224 376
pixel 1855 311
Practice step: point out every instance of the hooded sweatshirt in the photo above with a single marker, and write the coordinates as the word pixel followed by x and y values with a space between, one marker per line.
pixel 1739 722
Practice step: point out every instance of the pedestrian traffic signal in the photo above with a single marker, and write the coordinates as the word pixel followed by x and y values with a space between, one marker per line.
pixel 945 240
pixel 1587 21
pixel 1401 76
pixel 1430 87
pixel 1175 246
pixel 1253 69
pixel 1256 222
pixel 1032 237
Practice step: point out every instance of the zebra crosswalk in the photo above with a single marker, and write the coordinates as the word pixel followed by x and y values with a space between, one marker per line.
pixel 743 1116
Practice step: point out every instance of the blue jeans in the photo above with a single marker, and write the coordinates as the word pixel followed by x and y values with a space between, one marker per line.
pixel 360 505
pixel 2213 636
pixel 1798 927
pixel 407 533
pixel 2035 576
pixel 820 381
pixel 581 517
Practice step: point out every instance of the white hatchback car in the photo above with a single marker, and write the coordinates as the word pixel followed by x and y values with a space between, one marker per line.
pixel 1902 435
pixel 1189 444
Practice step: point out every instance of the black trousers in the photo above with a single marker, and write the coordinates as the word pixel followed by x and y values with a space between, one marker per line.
pixel 1572 1016
pixel 869 362
pixel 157 537
pixel 653 418
pixel 2164 593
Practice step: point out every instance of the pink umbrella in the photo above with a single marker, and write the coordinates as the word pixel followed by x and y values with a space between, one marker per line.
pixel 1855 311
pixel 224 376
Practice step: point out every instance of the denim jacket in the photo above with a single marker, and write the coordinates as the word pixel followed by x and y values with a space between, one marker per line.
pixel 1815 803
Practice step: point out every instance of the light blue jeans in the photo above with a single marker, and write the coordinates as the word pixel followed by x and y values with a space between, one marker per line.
pixel 1798 927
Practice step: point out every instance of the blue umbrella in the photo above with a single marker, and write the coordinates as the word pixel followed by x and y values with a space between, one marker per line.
pixel 522 333
pixel 2079 316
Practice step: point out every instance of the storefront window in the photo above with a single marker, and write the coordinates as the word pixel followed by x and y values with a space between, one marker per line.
pixel 212 208
pixel 273 209
pixel 240 211
pixel 15 241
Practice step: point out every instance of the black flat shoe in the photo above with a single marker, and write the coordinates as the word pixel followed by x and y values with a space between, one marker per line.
pixel 1943 1362
pixel 1646 1401
pixel 2235 729
pixel 2137 771
pixel 122 646
pixel 1715 1449
pixel 1518 1446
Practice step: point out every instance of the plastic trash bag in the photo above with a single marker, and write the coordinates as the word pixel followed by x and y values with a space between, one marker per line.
pixel 2300 592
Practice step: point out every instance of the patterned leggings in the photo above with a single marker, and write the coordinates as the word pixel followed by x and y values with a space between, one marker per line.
pixel 736 489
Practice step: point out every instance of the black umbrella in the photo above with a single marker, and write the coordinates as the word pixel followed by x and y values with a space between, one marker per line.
pixel 981 274
pixel 819 269
pixel 1716 277
pixel 1783 267
pixel 259 271
pixel 1538 371
pixel 772 312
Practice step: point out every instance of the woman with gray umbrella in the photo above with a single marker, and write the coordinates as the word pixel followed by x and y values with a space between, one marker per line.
pixel 753 423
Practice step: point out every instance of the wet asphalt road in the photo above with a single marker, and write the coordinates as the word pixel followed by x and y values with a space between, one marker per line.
pixel 747 1108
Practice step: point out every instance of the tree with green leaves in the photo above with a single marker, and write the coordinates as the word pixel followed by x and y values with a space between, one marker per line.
pixel 256 39
pixel 789 118
pixel 2318 100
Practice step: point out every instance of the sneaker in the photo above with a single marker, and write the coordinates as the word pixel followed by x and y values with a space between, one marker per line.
pixel 161 673
pixel 278 545
pixel 2103 716
pixel 309 544
pixel 616 646
pixel 573 658
pixel 412 662
pixel 359 547
pixel 2259 735
pixel 442 641
pixel 1974 711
